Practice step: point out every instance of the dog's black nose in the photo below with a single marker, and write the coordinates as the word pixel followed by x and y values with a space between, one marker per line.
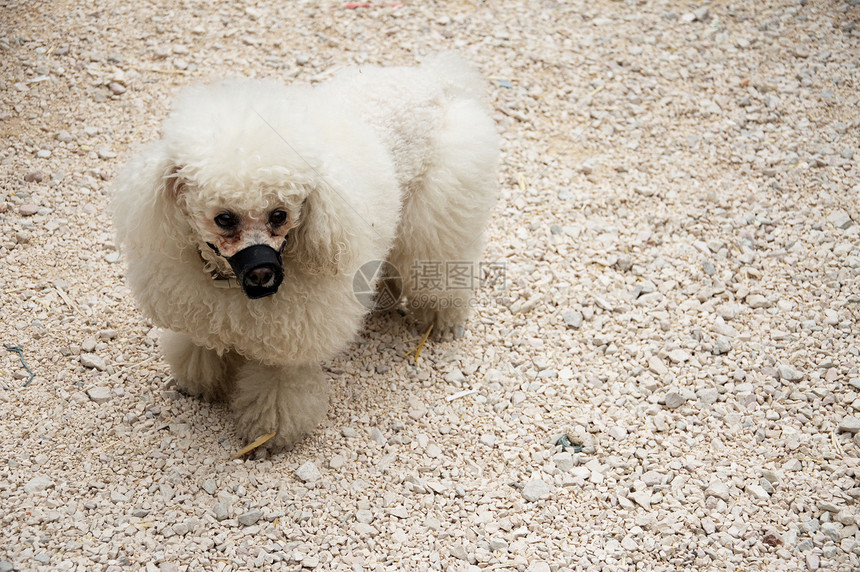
pixel 260 276
pixel 258 269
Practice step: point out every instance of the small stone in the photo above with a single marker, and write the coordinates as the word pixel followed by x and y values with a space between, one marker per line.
pixel 792 465
pixel 813 562
pixel 757 301
pixel 455 376
pixel 718 489
pixel 209 486
pixel 535 489
pixel 722 346
pixel 757 492
pixel 458 551
pixel 105 153
pixel 708 526
pixel 221 511
pixel 642 498
pixel 33 177
pixel 336 462
pixel 708 396
pixel 656 365
pixel 788 373
pixel 849 424
pixel 310 561
pixel 618 433
pixel 679 356
pixel 64 136
pixel 652 478
pixel 840 219
pixel 308 473
pixel 303 59
pixel 93 361
pixel 348 432
pixel 100 394
pixel 572 319
pixel 116 88
pixel 563 461
pixel 250 517
pixel 702 14
pixel 728 311
pixel 377 437
pixel 364 516
pixel 140 513
pixel 674 400
pixel 364 529
pixel 833 530
pixel 28 209
pixel 38 484
pixel 43 153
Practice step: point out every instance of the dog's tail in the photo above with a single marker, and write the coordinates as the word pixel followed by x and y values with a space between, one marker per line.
pixel 458 78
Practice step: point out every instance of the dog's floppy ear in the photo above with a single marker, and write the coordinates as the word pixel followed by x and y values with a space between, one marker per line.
pixel 321 241
pixel 139 193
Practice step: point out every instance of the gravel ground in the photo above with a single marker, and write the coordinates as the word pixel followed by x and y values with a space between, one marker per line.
pixel 667 379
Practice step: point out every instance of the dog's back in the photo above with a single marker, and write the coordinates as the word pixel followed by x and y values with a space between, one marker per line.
pixel 407 105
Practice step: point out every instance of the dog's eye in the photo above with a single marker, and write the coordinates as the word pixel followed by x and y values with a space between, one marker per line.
pixel 277 218
pixel 227 221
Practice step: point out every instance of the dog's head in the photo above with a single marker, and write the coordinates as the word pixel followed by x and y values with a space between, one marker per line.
pixel 240 231
pixel 244 180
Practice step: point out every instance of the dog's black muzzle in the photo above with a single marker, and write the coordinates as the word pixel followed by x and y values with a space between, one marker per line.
pixel 258 269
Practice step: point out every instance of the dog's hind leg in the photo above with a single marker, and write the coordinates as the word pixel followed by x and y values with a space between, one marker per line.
pixel 440 237
pixel 288 401
pixel 198 370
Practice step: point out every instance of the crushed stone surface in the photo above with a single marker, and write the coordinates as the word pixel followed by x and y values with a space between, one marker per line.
pixel 666 377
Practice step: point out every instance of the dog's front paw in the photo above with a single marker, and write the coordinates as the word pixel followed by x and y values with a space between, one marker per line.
pixel 286 401
pixel 198 370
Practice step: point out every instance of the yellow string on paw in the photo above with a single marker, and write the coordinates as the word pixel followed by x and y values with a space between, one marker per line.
pixel 259 441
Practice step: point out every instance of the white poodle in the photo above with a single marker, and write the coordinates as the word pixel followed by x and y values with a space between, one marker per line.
pixel 245 226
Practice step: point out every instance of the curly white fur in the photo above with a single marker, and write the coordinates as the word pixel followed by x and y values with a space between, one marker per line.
pixel 374 164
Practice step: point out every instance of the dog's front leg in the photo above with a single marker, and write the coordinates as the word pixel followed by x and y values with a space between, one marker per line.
pixel 198 370
pixel 286 400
